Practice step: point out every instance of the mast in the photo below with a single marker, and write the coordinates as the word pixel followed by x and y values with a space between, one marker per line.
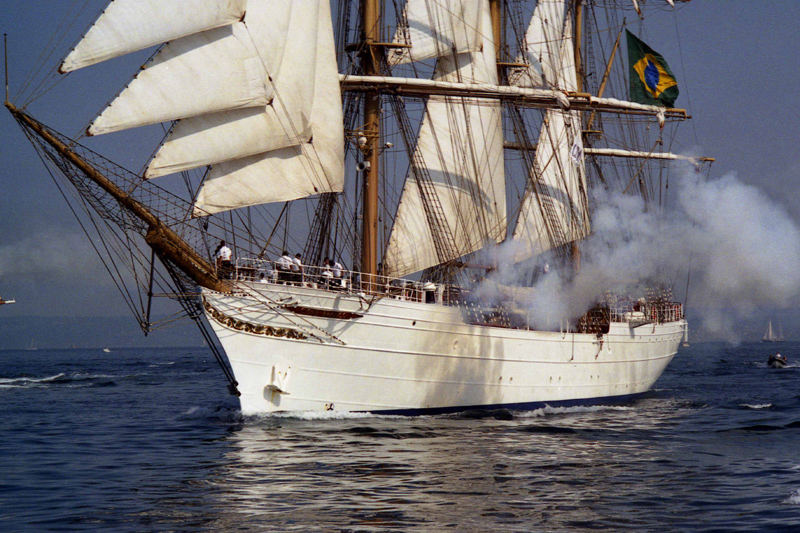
pixel 495 11
pixel 575 251
pixel 603 82
pixel 371 16
pixel 578 30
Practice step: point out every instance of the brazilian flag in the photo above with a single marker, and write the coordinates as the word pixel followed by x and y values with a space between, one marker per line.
pixel 652 81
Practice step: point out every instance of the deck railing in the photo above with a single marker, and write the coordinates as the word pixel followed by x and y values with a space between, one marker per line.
pixel 642 311
pixel 646 311
pixel 267 271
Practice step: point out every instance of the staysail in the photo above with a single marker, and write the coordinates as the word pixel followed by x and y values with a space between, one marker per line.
pixel 460 141
pixel 255 96
pixel 554 211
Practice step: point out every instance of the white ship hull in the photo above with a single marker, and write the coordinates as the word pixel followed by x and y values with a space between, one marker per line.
pixel 393 355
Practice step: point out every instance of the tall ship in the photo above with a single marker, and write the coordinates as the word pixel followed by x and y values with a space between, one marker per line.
pixel 382 206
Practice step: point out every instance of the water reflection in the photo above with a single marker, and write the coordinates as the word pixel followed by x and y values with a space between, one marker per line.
pixel 555 469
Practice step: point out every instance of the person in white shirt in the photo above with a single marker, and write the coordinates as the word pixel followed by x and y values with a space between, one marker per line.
pixel 223 256
pixel 338 272
pixel 297 268
pixel 284 266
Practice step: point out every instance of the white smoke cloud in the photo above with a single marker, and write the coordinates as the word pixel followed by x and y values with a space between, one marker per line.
pixel 747 246
pixel 743 250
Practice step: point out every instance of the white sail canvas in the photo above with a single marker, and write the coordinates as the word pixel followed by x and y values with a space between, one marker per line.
pixel 554 210
pixel 130 25
pixel 438 28
pixel 461 143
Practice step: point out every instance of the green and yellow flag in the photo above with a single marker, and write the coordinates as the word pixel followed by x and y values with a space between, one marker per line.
pixel 652 81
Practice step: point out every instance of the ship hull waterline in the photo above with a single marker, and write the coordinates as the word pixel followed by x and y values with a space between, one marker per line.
pixel 315 350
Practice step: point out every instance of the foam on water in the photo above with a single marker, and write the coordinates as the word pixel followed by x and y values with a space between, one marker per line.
pixel 756 405
pixel 547 410
pixel 57 379
pixel 28 381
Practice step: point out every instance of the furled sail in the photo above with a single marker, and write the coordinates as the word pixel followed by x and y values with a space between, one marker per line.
pixel 437 28
pixel 554 211
pixel 130 25
pixel 461 143
pixel 255 96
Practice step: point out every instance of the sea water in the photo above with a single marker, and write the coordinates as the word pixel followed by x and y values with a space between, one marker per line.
pixel 140 440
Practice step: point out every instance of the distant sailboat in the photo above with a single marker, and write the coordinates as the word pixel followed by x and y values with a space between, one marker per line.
pixel 771 336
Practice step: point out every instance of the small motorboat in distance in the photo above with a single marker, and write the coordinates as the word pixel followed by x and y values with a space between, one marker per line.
pixel 777 361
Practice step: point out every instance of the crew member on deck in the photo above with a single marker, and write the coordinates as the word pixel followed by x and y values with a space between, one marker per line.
pixel 327 272
pixel 284 266
pixel 297 268
pixel 338 272
pixel 223 258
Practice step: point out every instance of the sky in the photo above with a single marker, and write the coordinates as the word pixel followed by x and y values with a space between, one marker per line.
pixel 735 61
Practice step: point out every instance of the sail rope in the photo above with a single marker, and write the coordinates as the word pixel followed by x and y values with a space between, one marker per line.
pixel 44 71
pixel 49 159
pixel 685 90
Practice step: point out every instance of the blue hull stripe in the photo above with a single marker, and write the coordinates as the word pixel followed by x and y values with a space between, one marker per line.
pixel 524 406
